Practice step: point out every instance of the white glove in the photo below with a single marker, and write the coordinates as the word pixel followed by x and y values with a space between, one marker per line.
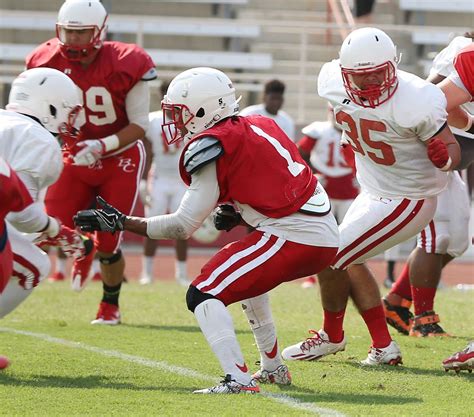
pixel 92 150
pixel 143 192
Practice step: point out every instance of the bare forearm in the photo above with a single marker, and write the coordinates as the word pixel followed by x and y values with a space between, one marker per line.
pixel 136 225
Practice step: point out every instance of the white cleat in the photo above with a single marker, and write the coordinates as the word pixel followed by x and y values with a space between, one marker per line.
pixel 280 376
pixel 390 355
pixel 230 386
pixel 313 348
pixel 145 279
pixel 182 280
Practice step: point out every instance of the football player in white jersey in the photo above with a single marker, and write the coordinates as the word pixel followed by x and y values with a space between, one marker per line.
pixel 42 102
pixel 320 147
pixel 396 124
pixel 445 238
pixel 163 193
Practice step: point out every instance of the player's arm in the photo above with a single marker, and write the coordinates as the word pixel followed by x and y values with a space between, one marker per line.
pixel 305 146
pixel 143 188
pixel 137 105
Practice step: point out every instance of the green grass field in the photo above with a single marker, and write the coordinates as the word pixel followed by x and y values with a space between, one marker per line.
pixel 61 365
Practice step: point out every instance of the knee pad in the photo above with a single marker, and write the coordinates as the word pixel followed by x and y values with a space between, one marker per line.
pixel 194 297
pixel 112 260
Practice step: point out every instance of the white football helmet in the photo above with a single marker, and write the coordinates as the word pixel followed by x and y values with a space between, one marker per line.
pixel 48 95
pixel 196 100
pixel 81 15
pixel 365 51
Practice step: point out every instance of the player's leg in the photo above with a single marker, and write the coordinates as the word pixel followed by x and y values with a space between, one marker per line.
pixel 259 315
pixel 30 266
pixel 60 269
pixel 446 237
pixel 177 190
pixel 121 190
pixel 63 200
pixel 158 206
pixel 243 270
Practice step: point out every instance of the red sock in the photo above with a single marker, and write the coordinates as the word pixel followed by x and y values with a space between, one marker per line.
pixel 402 286
pixel 423 299
pixel 375 321
pixel 332 325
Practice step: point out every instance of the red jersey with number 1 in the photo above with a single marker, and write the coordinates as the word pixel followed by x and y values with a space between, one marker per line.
pixel 105 83
pixel 260 166
pixel 464 64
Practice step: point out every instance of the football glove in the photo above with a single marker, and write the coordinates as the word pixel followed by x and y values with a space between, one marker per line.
pixel 106 219
pixel 438 154
pixel 92 150
pixel 71 242
pixel 225 217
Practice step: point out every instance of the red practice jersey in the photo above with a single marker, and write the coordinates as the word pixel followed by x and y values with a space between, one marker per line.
pixel 464 64
pixel 105 83
pixel 260 166
pixel 13 194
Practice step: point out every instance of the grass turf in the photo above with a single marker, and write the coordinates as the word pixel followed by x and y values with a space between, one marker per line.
pixel 128 369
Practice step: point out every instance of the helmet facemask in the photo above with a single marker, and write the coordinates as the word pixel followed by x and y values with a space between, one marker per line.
pixel 175 119
pixel 371 96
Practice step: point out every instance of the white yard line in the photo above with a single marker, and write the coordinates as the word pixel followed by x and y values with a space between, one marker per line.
pixel 178 370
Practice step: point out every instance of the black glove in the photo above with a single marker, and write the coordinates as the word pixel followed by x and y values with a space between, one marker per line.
pixel 226 218
pixel 107 219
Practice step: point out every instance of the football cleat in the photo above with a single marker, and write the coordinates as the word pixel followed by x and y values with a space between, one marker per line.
pixel 313 348
pixel 56 277
pixel 389 355
pixel 82 266
pixel 309 282
pixel 145 279
pixel 398 316
pixel 461 361
pixel 426 325
pixel 280 376
pixel 108 314
pixel 182 280
pixel 388 282
pixel 230 386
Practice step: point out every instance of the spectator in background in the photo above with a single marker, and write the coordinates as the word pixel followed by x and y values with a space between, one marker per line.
pixel 334 165
pixel 162 192
pixel 362 11
pixel 271 107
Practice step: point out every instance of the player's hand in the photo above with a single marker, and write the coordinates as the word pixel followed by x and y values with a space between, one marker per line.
pixel 92 150
pixel 225 217
pixel 145 197
pixel 107 219
pixel 438 154
pixel 71 242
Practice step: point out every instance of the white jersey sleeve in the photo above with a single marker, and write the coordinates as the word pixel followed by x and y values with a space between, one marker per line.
pixel 443 62
pixel 31 151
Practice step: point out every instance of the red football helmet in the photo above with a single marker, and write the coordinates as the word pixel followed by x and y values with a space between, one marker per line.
pixel 364 52
pixel 81 15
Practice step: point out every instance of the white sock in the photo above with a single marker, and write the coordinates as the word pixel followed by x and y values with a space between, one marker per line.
pixel 147 265
pixel 61 265
pixel 261 322
pixel 218 329
pixel 181 269
pixel 95 266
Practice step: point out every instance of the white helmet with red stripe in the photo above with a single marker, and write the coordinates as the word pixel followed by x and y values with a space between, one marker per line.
pixel 81 15
pixel 197 99
pixel 367 51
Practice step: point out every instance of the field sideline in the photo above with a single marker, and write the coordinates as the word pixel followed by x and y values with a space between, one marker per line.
pixel 61 365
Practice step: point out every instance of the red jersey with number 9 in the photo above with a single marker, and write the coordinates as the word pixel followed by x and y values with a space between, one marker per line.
pixel 105 83
pixel 464 64
pixel 260 166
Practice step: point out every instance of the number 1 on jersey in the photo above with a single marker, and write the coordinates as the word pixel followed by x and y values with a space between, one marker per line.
pixel 294 167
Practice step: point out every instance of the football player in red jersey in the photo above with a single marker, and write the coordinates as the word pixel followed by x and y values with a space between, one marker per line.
pixel 108 157
pixel 250 163
pixel 459 89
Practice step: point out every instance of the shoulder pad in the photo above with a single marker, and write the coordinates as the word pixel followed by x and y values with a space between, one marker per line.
pixel 200 153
